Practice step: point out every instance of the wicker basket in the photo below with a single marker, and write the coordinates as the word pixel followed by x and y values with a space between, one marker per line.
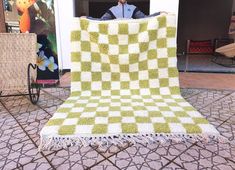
pixel 16 52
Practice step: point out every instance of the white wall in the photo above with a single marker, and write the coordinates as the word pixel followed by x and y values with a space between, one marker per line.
pixel 64 12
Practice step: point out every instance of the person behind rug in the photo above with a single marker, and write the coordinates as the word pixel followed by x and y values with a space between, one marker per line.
pixel 124 11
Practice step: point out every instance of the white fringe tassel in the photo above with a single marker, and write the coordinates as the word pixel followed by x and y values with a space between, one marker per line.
pixel 48 143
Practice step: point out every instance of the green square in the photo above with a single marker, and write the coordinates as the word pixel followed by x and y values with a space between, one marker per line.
pixel 143 65
pixel 142 119
pixel 115 119
pixel 96 76
pixel 174 90
pixel 106 85
pixel 144 83
pixel 143 46
pixel 115 76
pixel 113 39
pixel 102 114
pixel 173 72
pixel 73 115
pixel 75 36
pixel 95 57
pixel 123 49
pixel 67 130
pixel 85 46
pixel 181 114
pixel 171 52
pixel 171 31
pixel 105 67
pixel 155 114
pixel 94 37
pixel 134 58
pixel 86 66
pixel 104 48
pixel 100 129
pixel 152 35
pixel 153 74
pixel 135 92
pixel 113 59
pixel 95 93
pixel 133 38
pixel 115 92
pixel 86 121
pixel 172 120
pixel 164 82
pixel 86 86
pixel 114 108
pixel 129 128
pixel 161 128
pixel 163 63
pixel 143 27
pixel 122 28
pixel 127 113
pixel 134 76
pixel 89 109
pixel 125 85
pixel 192 128
pixel 164 108
pixel 161 43
pixel 63 110
pixel 161 22
pixel 152 54
pixel 75 76
pixel 75 56
pixel 124 68
pixel 84 24
pixel 55 122
pixel 200 120
pixel 103 28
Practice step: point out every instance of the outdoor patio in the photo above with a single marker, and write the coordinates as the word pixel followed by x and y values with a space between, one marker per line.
pixel 21 122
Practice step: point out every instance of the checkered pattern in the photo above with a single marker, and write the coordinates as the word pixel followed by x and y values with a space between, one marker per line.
pixel 125 81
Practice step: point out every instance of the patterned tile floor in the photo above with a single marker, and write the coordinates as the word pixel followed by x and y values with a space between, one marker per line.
pixel 21 122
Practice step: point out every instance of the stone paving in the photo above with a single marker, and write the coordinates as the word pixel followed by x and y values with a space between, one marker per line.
pixel 21 122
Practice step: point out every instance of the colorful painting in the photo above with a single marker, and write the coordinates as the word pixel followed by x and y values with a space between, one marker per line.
pixel 37 16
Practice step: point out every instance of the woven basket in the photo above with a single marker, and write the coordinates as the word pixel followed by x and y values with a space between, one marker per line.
pixel 16 52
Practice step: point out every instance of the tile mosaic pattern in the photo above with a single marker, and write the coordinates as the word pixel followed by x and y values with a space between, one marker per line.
pixel 21 122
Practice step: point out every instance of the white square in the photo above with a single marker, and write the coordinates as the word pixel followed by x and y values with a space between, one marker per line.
pixel 128 120
pixel 168 114
pixel 143 56
pixel 114 114
pixel 175 108
pixel 85 36
pixel 177 128
pixel 96 85
pixel 77 109
pixel 133 28
pixel 153 45
pixel 115 85
pixel 115 104
pixel 106 76
pixel 94 47
pixel 143 75
pixel 186 120
pixel 194 114
pixel 126 108
pixel 141 113
pixel 158 120
pixel 102 109
pixel 152 25
pixel 145 127
pixel 113 49
pixel 154 83
pixel 103 38
pixel 93 27
pixel 124 77
pixel 113 28
pixel 152 108
pixel 152 64
pixel 208 129
pixel 76 66
pixel 161 104
pixel 162 53
pixel 134 85
pixel 165 91
pixel 106 92
pixel 76 24
pixel 163 73
pixel 104 58
pixel 85 76
pixel 114 128
pixel 88 114
pixel 133 48
pixel 170 21
pixel 95 67
pixel 134 67
pixel 101 120
pixel 123 39
pixel 125 92
pixel 145 92
pixel 85 56
pixel 123 59
pixel 174 82
pixel 172 62
pixel 92 105
pixel 171 42
pixel 67 105
pixel 76 46
pixel 114 68
pixel 162 33
pixel 84 129
pixel 76 86
pixel 86 93
pixel 72 121
pixel 59 115
pixel 49 130
pixel 143 37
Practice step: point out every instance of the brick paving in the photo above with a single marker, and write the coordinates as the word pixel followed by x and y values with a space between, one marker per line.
pixel 21 122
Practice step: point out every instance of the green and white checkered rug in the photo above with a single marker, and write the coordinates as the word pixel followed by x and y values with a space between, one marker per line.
pixel 124 87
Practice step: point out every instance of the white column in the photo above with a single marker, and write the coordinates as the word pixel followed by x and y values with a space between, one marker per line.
pixel 64 12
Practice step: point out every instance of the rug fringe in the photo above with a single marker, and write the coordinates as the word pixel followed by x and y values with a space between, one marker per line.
pixel 47 143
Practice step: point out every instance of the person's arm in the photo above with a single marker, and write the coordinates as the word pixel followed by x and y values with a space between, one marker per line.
pixel 108 16
pixel 138 14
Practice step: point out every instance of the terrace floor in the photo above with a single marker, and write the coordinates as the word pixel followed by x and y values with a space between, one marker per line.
pixel 21 122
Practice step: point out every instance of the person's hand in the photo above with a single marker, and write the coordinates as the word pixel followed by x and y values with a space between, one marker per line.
pixel 163 12
pixel 83 16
